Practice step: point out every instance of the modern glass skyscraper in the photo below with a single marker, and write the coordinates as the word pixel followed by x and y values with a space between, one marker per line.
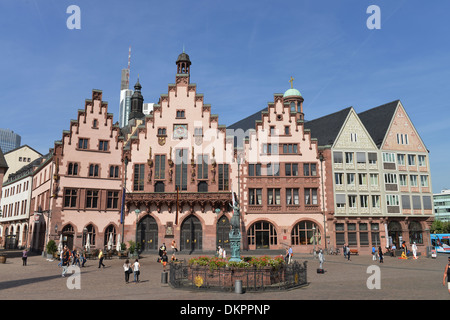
pixel 9 140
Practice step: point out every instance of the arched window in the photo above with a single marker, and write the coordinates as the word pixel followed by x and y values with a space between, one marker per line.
pixel 262 234
pixel 110 237
pixel 415 233
pixel 304 233
pixel 90 231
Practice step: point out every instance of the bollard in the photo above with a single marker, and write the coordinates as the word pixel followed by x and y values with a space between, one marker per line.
pixel 164 277
pixel 238 286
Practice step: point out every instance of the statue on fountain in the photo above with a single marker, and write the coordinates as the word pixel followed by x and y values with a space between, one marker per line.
pixel 235 233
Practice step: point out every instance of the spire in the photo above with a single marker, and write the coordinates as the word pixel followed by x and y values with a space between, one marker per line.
pixel 137 102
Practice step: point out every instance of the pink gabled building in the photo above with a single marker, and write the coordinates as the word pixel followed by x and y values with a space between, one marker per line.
pixel 85 188
pixel 179 170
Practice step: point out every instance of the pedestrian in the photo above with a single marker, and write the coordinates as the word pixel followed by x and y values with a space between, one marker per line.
pixel 100 259
pixel 224 254
pixel 321 259
pixel 164 260
pixel 344 250
pixel 65 260
pixel 24 257
pixel 348 253
pixel 162 249
pixel 127 270
pixel 447 275
pixel 220 252
pixel 290 254
pixel 83 259
pixel 137 271
pixel 414 249
pixel 174 246
pixel 374 253
pixel 380 254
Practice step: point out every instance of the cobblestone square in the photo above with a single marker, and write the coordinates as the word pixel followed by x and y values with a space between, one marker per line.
pixel 343 280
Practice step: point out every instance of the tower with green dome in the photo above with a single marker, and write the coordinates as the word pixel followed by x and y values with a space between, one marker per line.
pixel 295 100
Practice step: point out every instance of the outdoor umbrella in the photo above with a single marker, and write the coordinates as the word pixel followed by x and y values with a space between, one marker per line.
pixel 88 244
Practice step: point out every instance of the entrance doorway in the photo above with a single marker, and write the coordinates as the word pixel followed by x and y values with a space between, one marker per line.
pixel 191 234
pixel 395 231
pixel 147 233
pixel 223 233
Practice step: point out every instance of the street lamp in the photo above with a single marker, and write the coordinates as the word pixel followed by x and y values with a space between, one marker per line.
pixel 314 241
pixel 136 253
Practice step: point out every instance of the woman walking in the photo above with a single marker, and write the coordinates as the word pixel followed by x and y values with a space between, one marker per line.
pixel 127 270
pixel 137 271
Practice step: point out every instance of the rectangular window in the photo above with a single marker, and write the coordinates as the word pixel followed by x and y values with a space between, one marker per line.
pixel 339 178
pixel 374 179
pixel 223 177
pixel 113 171
pixel 113 200
pixel 138 178
pixel 202 166
pixel 255 196
pixel 362 179
pixel 337 157
pixel 411 160
pixel 361 157
pixel 70 198
pixel 375 201
pixel 181 169
pixel 352 201
pixel 372 158
pixel 91 198
pixel 82 143
pixel 160 166
pixel 406 202
pixel 310 196
pixel 93 170
pixel 390 178
pixel 349 157
pixel 403 180
pixel 413 180
pixel 401 159
pixel 392 200
pixel 424 181
pixel 388 157
pixel 103 145
pixel 422 160
pixel 292 196
pixel 273 197
pixel 350 178
pixel 340 200
pixel 72 169
pixel 364 201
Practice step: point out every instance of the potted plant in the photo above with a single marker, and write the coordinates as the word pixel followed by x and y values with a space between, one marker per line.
pixel 51 249
pixel 2 258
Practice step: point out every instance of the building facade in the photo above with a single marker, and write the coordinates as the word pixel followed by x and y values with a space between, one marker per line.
pixel 19 158
pixel 9 140
pixel 442 205
pixel 170 174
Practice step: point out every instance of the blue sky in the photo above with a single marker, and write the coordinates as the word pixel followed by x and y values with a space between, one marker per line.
pixel 242 52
